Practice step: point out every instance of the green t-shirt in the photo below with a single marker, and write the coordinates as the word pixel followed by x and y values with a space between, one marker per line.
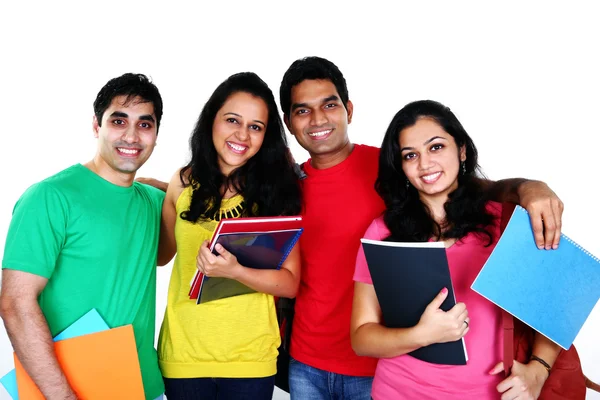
pixel 97 244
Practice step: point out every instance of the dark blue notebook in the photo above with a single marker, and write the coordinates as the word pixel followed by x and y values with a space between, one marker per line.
pixel 406 278
pixel 259 243
pixel 552 291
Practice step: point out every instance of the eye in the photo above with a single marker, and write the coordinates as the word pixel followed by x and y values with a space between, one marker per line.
pixel 232 120
pixel 301 111
pixel 257 128
pixel 437 146
pixel 409 156
pixel 330 105
pixel 145 125
pixel 118 122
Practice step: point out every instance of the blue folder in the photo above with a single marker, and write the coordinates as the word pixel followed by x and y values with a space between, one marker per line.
pixel 91 322
pixel 552 291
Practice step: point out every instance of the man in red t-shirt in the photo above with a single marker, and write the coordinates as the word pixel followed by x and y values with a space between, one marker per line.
pixel 340 202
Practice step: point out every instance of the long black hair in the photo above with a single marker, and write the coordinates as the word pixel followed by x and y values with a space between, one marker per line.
pixel 407 218
pixel 266 181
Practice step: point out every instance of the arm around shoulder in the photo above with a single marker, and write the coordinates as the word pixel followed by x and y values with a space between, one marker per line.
pixel 167 246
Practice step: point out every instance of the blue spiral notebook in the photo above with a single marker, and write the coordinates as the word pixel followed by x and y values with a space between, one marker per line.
pixel 552 291
pixel 259 243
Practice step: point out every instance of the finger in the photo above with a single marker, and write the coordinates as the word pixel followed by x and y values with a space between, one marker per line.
pixel 437 300
pixel 549 227
pixel 463 316
pixel 497 368
pixel 457 310
pixel 467 323
pixel 508 384
pixel 538 227
pixel 557 209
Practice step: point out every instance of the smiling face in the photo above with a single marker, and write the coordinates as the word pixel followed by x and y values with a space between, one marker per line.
pixel 318 119
pixel 126 137
pixel 430 159
pixel 239 130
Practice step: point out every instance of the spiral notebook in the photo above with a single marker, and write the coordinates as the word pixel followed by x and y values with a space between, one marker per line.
pixel 260 243
pixel 552 291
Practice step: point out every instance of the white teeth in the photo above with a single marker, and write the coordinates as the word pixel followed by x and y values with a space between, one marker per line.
pixel 236 147
pixel 127 151
pixel 432 177
pixel 318 134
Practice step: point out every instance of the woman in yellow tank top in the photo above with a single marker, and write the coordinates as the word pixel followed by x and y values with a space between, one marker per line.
pixel 227 348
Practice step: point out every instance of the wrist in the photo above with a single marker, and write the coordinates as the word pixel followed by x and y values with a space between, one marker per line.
pixel 541 367
pixel 420 335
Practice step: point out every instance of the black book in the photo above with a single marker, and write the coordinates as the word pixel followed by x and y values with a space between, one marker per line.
pixel 406 278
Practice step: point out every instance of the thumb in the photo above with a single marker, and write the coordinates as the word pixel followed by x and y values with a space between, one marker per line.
pixel 222 251
pixel 497 369
pixel 438 300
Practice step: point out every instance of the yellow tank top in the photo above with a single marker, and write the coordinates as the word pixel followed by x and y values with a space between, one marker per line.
pixel 236 337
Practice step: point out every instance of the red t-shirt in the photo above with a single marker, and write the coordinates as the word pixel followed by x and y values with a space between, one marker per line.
pixel 339 204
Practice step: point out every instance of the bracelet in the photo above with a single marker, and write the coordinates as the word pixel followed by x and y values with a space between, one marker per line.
pixel 544 363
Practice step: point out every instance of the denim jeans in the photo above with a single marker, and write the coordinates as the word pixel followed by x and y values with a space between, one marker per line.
pixel 308 383
pixel 219 388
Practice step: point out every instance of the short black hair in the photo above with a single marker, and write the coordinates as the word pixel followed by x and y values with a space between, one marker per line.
pixel 132 86
pixel 311 68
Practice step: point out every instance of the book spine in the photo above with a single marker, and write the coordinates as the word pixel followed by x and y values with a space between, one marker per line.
pixel 584 251
pixel 290 247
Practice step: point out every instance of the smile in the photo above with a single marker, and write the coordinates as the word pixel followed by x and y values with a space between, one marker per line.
pixel 320 134
pixel 128 152
pixel 431 178
pixel 237 148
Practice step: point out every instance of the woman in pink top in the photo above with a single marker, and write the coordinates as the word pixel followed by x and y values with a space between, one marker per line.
pixel 428 180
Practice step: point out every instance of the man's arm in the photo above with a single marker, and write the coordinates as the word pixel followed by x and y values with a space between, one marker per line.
pixel 543 205
pixel 29 333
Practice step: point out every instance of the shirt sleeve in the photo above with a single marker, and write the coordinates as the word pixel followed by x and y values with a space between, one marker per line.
pixel 37 231
pixel 361 270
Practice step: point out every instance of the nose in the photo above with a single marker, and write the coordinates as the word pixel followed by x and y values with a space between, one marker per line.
pixel 424 161
pixel 242 133
pixel 318 118
pixel 131 135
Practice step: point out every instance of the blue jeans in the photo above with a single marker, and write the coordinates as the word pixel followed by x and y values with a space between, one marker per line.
pixel 308 383
pixel 219 388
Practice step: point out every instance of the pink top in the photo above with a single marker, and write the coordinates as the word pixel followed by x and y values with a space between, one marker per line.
pixel 405 377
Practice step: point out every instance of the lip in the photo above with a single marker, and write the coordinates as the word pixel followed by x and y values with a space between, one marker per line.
pixel 432 177
pixel 136 152
pixel 327 133
pixel 236 149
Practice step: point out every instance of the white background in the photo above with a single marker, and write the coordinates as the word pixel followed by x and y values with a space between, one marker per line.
pixel 523 78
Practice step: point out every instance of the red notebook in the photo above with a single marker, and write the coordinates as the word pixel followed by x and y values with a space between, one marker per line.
pixel 260 242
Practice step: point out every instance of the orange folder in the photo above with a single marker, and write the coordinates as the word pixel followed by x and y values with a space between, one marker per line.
pixel 102 365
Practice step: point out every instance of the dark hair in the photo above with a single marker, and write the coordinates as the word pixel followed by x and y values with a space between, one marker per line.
pixel 311 68
pixel 266 181
pixel 407 218
pixel 132 86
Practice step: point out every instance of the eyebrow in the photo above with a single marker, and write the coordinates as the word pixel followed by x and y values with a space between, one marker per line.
pixel 426 143
pixel 333 97
pixel 258 121
pixel 121 114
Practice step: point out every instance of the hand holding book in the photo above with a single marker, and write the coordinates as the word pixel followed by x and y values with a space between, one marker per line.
pixel 439 326
pixel 223 265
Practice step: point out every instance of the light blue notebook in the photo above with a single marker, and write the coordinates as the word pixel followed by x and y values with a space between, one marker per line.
pixel 91 322
pixel 552 291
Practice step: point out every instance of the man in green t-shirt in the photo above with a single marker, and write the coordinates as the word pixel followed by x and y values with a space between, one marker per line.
pixel 87 238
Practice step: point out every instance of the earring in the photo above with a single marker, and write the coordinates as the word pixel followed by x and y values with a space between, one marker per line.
pixel 464 168
pixel 407 184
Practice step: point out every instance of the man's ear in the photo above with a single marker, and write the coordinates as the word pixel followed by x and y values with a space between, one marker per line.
pixel 95 127
pixel 286 121
pixel 350 109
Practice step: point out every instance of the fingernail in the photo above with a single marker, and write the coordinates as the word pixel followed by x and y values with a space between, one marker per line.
pixel 555 246
pixel 540 246
pixel 445 290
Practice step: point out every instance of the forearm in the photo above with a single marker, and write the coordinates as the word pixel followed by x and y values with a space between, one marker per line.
pixel 505 190
pixel 375 340
pixel 280 283
pixel 31 339
pixel 545 349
